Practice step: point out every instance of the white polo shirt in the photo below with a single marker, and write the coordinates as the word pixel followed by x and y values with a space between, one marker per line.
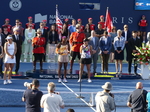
pixel 51 102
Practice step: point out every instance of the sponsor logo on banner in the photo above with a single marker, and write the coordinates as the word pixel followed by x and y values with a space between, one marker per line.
pixel 139 4
pixel 52 18
pixel 15 5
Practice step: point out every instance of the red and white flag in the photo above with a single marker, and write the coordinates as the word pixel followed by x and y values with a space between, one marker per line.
pixel 108 21
pixel 58 22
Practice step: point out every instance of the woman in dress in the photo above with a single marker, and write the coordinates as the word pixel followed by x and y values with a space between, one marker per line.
pixel 87 31
pixel 10 50
pixel 112 34
pixel 29 35
pixel 62 50
pixel 86 52
pixel 119 43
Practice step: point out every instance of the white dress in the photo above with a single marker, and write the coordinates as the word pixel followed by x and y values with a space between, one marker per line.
pixel 10 50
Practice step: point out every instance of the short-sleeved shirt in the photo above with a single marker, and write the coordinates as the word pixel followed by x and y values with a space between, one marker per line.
pixel 72 28
pixel 99 32
pixel 135 98
pixel 32 99
pixel 51 102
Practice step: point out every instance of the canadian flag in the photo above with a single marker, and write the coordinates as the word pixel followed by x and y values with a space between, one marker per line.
pixel 108 21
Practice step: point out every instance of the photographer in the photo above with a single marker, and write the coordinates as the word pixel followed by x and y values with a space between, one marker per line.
pixel 32 97
pixel 105 100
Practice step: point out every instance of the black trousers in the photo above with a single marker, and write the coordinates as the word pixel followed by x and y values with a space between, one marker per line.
pixel 130 65
pixel 18 56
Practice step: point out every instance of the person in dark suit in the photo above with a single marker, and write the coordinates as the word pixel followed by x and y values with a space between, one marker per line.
pixel 94 42
pixel 105 47
pixel 2 42
pixel 44 34
pixel 18 40
pixel 134 41
pixel 127 35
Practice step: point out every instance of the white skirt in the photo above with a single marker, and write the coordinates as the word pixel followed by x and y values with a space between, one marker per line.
pixel 9 60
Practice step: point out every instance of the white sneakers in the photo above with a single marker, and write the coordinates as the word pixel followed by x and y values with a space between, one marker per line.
pixel 8 81
pixel 64 80
pixel 25 60
pixel 89 80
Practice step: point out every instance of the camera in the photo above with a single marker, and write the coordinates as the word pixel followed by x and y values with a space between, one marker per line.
pixel 28 85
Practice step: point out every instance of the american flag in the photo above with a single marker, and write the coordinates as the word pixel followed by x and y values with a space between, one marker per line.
pixel 58 22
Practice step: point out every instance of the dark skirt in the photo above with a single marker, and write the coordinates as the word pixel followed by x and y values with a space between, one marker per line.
pixel 143 28
pixel 86 60
pixel 38 56
pixel 119 56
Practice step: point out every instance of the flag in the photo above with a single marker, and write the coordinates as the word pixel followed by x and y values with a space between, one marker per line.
pixel 108 21
pixel 58 22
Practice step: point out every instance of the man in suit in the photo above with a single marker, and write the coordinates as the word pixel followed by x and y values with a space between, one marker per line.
pixel 132 42
pixel 94 42
pixel 105 47
pixel 2 42
pixel 127 35
pixel 44 34
pixel 17 38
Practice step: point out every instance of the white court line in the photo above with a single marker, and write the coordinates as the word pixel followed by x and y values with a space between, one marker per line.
pixel 77 96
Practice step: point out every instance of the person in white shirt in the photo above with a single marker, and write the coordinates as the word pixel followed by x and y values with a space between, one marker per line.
pixel 51 102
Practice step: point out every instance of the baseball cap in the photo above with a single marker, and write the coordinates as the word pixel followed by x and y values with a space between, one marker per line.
pixel 66 19
pixel 44 20
pixel 79 20
pixel 6 19
pixel 101 16
pixel 89 18
pixel 29 17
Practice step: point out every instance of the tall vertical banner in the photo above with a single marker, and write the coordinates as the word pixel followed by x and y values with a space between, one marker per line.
pixel 58 22
pixel 108 21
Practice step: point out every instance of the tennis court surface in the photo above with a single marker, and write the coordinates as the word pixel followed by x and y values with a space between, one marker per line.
pixel 10 95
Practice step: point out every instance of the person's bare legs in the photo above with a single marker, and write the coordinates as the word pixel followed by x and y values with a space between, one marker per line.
pixel 81 70
pixel 59 69
pixel 116 63
pixel 121 66
pixel 88 70
pixel 5 70
pixel 11 66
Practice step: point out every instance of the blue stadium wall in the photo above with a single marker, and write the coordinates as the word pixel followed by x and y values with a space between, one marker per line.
pixel 122 11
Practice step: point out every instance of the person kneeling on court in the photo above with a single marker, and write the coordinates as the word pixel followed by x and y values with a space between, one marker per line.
pixel 105 100
pixel 10 51
pixel 62 50
pixel 86 52
pixel 51 102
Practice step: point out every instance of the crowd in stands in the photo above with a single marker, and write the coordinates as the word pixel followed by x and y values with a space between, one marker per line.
pixel 85 42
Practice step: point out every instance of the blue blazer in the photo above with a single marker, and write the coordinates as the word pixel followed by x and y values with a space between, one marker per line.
pixel 107 46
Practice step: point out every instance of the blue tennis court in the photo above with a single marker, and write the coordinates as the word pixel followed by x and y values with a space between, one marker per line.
pixel 11 94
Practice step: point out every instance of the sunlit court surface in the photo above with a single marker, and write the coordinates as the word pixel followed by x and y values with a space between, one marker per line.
pixel 11 93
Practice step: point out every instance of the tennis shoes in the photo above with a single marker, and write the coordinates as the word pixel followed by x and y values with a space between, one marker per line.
pixel 89 80
pixel 64 80
pixel 7 82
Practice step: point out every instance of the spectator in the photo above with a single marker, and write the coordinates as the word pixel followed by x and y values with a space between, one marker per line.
pixel 105 100
pixel 72 28
pixel 99 31
pixel 30 22
pixel 112 34
pixel 70 110
pixel 87 31
pixel 148 38
pixel 105 46
pixel 20 29
pixel 82 26
pixel 119 43
pixel 17 38
pixel 62 50
pixel 127 35
pixel 64 30
pixel 29 35
pixel 38 49
pixel 137 99
pixel 90 22
pixel 10 49
pixel 76 40
pixel 6 24
pixel 45 27
pixel 85 52
pixel 51 102
pixel 94 42
pixel 2 42
pixel 32 97
pixel 143 24
pixel 5 31
pixel 102 22
pixel 132 43
pixel 140 37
